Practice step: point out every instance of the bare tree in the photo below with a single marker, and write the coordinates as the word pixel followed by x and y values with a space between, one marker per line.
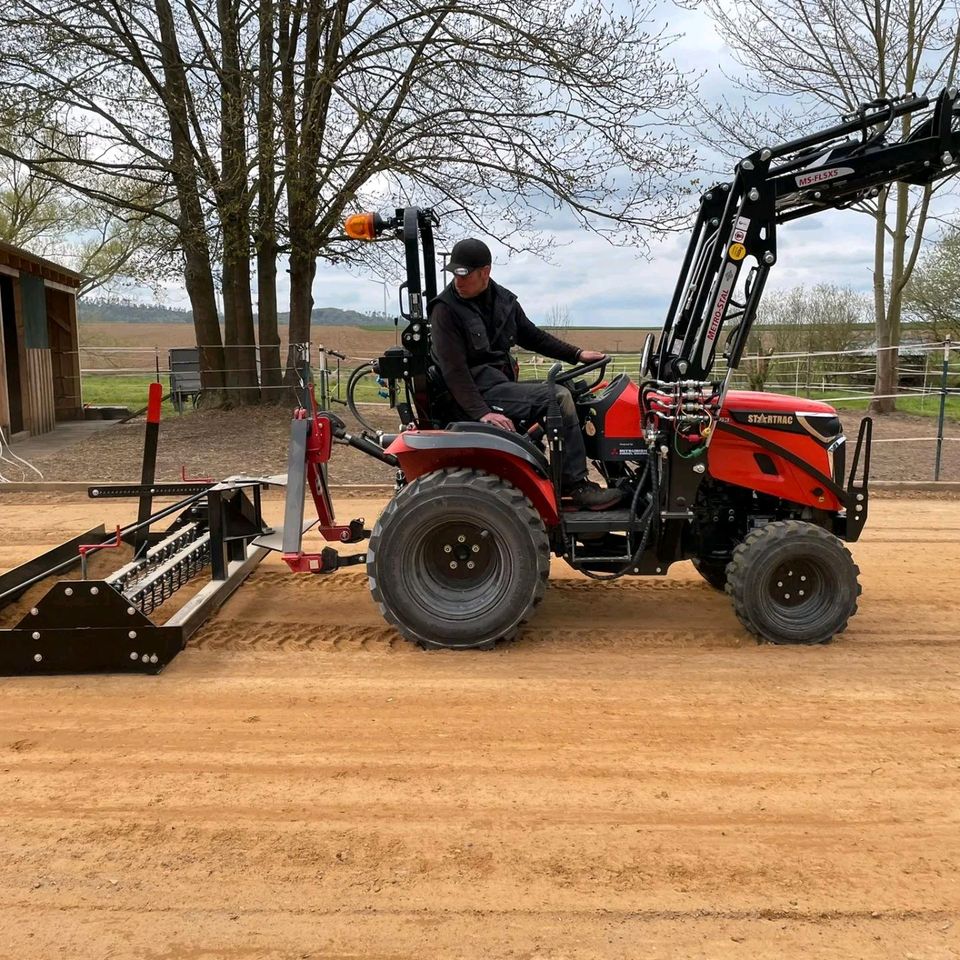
pixel 558 317
pixel 808 60
pixel 822 322
pixel 251 128
pixel 40 214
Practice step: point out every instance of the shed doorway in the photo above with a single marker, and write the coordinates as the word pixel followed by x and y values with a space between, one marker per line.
pixel 11 355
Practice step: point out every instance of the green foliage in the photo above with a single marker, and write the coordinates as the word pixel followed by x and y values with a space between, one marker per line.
pixel 932 296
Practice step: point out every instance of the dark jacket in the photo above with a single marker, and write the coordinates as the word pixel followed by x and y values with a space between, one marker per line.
pixel 471 342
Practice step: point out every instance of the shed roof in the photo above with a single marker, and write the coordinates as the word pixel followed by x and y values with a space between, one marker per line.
pixel 19 259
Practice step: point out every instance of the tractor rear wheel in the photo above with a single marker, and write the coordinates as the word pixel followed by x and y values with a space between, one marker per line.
pixel 712 570
pixel 793 582
pixel 458 559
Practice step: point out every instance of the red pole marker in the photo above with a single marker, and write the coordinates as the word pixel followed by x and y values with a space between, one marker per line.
pixel 154 397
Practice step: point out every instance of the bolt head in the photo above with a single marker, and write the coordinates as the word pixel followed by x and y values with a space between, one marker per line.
pixel 747 165
pixel 132 634
pixel 453 564
pixel 38 657
pixel 68 592
pixel 447 548
pixel 461 539
pixel 94 590
pixel 35 635
pixel 130 611
pixel 34 611
pixel 768 257
pixel 134 655
pixel 476 548
pixel 470 564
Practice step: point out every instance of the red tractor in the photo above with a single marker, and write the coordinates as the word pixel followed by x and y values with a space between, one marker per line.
pixel 755 488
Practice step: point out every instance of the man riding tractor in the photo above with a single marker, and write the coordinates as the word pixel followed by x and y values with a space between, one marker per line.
pixel 474 324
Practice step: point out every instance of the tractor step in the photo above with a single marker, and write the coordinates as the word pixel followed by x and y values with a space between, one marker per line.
pixel 600 521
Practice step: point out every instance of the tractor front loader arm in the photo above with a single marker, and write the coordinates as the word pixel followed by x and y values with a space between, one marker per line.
pixel 736 225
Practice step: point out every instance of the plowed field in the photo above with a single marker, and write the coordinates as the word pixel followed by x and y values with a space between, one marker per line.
pixel 632 778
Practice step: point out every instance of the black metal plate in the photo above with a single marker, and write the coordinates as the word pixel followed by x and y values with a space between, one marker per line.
pixel 88 650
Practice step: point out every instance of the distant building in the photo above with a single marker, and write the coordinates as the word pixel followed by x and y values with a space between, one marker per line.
pixel 39 359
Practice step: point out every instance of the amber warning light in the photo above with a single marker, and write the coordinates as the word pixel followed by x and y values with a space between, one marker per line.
pixel 362 226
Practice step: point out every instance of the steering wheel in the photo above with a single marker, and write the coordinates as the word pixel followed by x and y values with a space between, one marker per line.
pixel 555 376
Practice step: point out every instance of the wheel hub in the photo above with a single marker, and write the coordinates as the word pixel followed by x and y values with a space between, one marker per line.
pixel 459 553
pixel 794 583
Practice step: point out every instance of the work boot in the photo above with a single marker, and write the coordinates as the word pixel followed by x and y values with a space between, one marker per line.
pixel 591 496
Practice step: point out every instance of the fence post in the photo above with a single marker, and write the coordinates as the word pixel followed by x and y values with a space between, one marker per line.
pixel 943 406
pixel 324 402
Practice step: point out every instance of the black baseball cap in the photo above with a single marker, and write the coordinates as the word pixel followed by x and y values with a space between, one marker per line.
pixel 468 255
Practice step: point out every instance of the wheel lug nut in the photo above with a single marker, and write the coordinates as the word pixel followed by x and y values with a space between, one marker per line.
pixel 779 583
pixel 470 564
pixel 461 539
pixel 476 548
pixel 800 592
pixel 786 596
pixel 453 564
pixel 447 548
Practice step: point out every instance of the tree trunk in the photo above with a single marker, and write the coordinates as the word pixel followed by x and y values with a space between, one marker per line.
pixel 233 203
pixel 193 237
pixel 303 268
pixel 238 315
pixel 885 382
pixel 271 372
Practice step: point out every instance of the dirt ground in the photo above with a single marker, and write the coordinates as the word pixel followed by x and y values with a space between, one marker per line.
pixel 632 777
pixel 254 441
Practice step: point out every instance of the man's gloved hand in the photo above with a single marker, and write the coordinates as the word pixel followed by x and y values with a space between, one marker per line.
pixel 499 420
pixel 590 356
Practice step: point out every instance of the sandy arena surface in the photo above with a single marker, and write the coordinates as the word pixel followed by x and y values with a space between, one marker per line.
pixel 632 778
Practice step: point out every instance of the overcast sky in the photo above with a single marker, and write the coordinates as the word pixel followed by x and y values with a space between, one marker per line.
pixel 606 285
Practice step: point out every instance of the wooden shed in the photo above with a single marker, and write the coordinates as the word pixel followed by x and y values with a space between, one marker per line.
pixel 39 358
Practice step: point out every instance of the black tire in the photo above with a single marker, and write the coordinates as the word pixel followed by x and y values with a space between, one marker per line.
pixel 712 570
pixel 471 519
pixel 793 582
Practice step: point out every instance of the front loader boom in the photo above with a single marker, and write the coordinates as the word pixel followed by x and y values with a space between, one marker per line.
pixel 736 225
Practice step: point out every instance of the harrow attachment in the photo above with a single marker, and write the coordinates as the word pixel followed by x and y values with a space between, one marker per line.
pixel 104 625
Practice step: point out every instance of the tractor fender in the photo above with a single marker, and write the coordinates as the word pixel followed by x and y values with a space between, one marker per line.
pixel 423 451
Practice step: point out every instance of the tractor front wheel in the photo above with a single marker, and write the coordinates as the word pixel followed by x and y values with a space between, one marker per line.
pixel 458 559
pixel 793 582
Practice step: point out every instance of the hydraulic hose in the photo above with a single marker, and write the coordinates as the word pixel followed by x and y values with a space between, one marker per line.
pixel 650 513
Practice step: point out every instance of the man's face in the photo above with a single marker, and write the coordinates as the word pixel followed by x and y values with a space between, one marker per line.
pixel 473 284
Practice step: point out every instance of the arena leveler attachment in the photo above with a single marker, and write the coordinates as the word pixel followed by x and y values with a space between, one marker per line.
pixel 104 625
